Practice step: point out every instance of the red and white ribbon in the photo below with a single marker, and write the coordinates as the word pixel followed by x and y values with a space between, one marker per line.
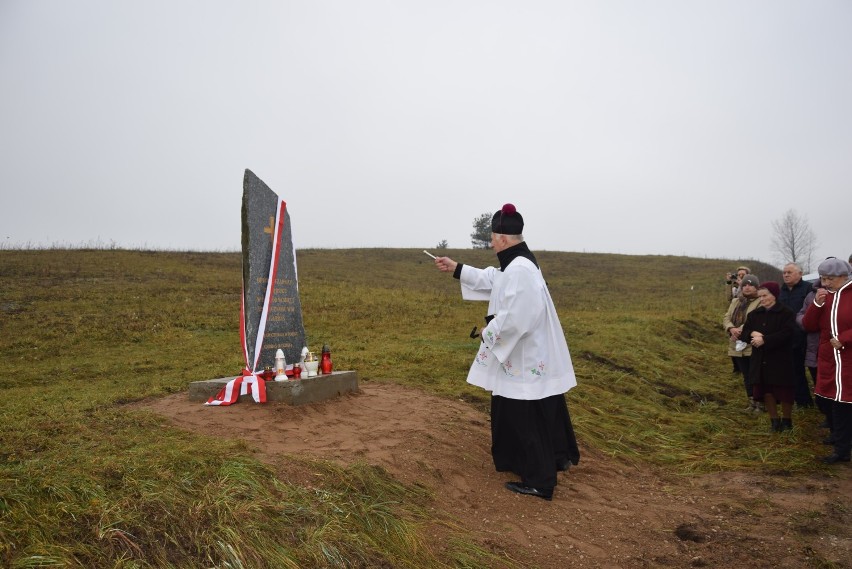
pixel 250 378
pixel 240 386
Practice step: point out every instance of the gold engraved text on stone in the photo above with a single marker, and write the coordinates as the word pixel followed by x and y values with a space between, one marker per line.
pixel 270 229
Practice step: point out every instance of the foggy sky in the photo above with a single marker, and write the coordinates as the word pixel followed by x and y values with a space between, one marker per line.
pixel 636 127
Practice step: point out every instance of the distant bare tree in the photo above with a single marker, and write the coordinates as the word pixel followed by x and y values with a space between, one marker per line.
pixel 794 240
pixel 481 236
pixel 442 244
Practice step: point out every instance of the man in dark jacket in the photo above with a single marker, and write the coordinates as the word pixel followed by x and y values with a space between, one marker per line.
pixel 793 293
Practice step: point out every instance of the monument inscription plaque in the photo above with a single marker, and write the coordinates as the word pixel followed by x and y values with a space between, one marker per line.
pixel 271 312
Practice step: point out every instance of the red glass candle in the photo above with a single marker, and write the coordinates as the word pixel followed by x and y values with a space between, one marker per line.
pixel 325 363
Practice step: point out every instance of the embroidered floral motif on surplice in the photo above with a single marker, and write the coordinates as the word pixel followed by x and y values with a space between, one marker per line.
pixel 508 369
pixel 482 357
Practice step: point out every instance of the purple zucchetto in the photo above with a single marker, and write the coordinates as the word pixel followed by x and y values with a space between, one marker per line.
pixel 507 221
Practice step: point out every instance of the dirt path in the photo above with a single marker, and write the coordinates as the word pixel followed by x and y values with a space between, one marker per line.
pixel 603 514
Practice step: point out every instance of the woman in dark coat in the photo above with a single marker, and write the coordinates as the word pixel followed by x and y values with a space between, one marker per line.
pixel 770 329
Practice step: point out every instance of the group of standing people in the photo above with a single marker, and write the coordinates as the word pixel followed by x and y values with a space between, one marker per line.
pixel 777 330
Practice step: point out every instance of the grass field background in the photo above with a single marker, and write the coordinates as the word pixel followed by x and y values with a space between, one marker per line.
pixel 86 481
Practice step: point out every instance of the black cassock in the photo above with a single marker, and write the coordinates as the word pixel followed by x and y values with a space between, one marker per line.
pixel 532 438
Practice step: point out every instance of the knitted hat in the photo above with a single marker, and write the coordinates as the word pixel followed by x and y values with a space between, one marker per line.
pixel 750 279
pixel 772 287
pixel 507 221
pixel 833 267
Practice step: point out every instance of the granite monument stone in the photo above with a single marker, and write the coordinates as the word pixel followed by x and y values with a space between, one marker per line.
pixel 267 246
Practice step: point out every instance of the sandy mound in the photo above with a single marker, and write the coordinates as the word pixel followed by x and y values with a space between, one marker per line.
pixel 603 514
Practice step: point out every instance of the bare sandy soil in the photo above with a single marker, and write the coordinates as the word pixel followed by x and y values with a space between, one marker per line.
pixel 603 514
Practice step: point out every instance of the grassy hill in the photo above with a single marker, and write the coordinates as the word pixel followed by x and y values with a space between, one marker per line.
pixel 87 481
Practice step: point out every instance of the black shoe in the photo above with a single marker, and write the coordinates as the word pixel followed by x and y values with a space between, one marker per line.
pixel 786 425
pixel 834 457
pixel 828 441
pixel 521 488
pixel 563 464
pixel 776 425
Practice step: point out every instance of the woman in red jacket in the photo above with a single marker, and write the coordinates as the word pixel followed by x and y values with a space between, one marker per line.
pixel 831 315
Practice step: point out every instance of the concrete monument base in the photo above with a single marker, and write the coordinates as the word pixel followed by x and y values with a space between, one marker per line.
pixel 292 392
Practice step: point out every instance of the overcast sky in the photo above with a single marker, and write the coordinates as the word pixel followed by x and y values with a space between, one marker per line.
pixel 638 127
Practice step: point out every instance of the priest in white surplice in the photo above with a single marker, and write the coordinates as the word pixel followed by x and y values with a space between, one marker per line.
pixel 523 360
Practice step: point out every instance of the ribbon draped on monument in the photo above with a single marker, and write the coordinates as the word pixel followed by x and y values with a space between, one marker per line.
pixel 273 319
